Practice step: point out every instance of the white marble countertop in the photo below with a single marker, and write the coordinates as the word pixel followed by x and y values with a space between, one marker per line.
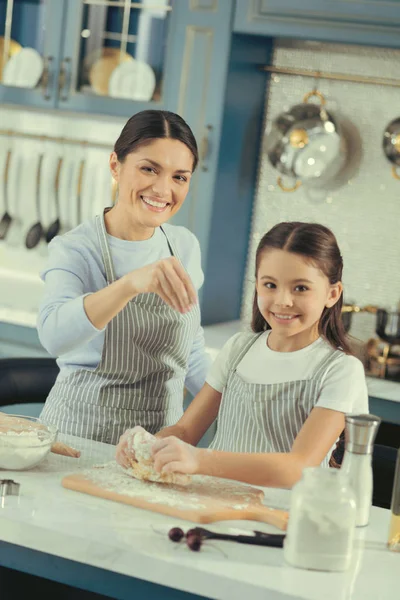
pixel 217 335
pixel 133 542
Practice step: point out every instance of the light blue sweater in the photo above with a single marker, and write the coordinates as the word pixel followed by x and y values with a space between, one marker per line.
pixel 75 269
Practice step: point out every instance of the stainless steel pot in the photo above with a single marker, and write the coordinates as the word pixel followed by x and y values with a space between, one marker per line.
pixel 307 144
pixel 388 325
pixel 391 145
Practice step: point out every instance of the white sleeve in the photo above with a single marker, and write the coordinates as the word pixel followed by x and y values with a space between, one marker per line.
pixel 218 373
pixel 344 387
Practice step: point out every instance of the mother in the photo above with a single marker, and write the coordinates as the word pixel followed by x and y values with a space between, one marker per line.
pixel 120 307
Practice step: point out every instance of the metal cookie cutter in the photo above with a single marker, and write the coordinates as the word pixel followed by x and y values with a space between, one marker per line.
pixel 8 487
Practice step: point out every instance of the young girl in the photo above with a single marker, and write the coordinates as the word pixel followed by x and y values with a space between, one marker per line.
pixel 280 393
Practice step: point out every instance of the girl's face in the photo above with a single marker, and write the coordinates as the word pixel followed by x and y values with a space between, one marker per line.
pixel 153 181
pixel 292 293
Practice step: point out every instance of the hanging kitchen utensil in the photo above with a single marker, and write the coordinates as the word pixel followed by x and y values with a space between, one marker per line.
pixel 55 227
pixel 391 145
pixel 6 218
pixel 35 233
pixel 388 325
pixel 306 144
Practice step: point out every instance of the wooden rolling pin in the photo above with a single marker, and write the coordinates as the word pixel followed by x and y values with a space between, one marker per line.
pixel 60 448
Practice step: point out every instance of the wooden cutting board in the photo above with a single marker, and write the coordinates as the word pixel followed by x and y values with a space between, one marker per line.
pixel 205 500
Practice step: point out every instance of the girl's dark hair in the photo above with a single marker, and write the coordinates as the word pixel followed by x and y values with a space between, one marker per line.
pixel 149 125
pixel 319 245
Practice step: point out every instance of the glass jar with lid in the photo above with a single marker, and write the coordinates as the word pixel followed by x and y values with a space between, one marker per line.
pixel 394 532
pixel 322 521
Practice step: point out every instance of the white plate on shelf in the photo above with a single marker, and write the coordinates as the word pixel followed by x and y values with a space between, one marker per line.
pixel 23 69
pixel 133 80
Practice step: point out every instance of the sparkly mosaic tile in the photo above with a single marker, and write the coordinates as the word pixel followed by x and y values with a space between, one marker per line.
pixel 364 214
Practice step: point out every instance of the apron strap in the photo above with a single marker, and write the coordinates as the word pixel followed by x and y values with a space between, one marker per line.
pixel 244 349
pixel 171 246
pixel 328 360
pixel 105 249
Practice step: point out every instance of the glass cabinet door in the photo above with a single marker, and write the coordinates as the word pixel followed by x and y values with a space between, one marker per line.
pixel 114 55
pixel 30 42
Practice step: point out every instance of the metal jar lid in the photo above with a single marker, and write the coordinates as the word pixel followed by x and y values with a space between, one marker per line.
pixel 360 433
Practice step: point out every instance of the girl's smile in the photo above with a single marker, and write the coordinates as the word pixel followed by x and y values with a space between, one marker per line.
pixel 284 318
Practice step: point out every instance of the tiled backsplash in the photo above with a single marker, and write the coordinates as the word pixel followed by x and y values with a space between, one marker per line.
pixel 364 214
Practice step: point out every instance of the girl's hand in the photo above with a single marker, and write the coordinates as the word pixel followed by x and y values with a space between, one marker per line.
pixel 172 455
pixel 166 278
pixel 171 430
pixel 124 452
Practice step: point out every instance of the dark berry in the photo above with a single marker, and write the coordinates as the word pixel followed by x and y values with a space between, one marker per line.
pixel 193 531
pixel 194 541
pixel 175 534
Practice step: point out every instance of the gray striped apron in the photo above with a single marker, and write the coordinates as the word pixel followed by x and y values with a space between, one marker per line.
pixel 141 375
pixel 257 417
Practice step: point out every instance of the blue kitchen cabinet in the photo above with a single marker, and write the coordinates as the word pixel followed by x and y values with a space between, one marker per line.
pixel 18 341
pixel 191 80
pixel 36 24
pixel 388 410
pixel 369 22
pixel 82 42
pixel 188 48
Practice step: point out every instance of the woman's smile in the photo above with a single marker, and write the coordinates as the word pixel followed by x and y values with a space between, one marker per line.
pixel 154 204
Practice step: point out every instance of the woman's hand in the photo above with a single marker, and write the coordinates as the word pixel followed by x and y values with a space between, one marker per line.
pixel 124 453
pixel 166 278
pixel 172 455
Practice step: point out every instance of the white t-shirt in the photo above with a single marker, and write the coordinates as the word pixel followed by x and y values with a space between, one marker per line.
pixel 343 388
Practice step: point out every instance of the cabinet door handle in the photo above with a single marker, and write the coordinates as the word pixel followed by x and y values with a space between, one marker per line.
pixel 64 79
pixel 47 77
pixel 205 148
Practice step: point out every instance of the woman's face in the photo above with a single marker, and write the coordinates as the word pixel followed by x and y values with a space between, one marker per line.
pixel 153 181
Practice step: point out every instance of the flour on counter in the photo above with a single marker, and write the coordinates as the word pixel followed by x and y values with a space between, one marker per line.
pixel 204 492
pixel 22 450
pixel 114 478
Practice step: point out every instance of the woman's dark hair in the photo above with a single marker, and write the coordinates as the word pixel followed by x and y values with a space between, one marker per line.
pixel 149 125
pixel 318 244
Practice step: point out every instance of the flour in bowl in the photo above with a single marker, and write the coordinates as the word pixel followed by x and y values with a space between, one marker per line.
pixel 22 449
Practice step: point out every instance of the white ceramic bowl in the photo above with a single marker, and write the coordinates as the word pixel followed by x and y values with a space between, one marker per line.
pixel 24 442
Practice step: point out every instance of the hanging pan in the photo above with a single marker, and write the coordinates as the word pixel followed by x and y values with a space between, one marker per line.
pixel 391 145
pixel 306 144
